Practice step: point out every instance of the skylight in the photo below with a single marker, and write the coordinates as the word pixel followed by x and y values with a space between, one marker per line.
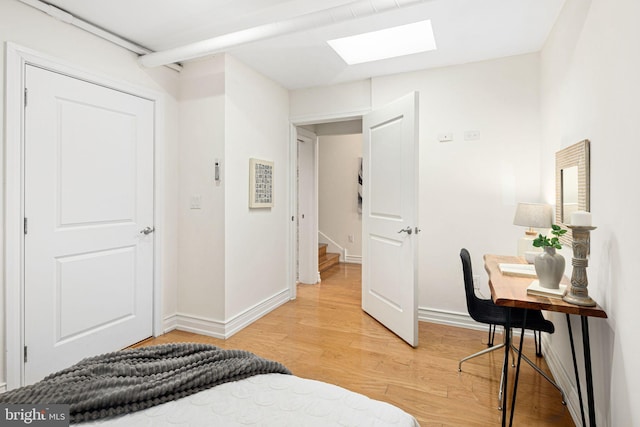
pixel 387 43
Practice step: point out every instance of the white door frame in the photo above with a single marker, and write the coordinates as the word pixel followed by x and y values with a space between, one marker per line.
pixel 308 265
pixel 293 187
pixel 17 57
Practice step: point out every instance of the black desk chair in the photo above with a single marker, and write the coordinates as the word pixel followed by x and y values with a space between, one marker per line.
pixel 485 311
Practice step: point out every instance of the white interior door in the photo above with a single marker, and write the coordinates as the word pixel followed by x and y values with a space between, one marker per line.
pixel 307 208
pixel 88 195
pixel 389 216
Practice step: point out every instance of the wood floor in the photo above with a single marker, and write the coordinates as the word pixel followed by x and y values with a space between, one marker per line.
pixel 324 335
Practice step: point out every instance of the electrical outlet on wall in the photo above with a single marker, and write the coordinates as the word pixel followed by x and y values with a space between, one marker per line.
pixel 476 282
pixel 471 135
pixel 350 237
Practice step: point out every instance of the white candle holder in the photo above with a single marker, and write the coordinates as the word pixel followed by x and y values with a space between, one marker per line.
pixel 577 292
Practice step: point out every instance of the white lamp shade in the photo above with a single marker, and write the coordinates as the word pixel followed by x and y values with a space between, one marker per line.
pixel 533 215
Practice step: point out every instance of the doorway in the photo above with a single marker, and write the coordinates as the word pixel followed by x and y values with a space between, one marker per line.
pixel 389 215
pixel 17 198
pixel 333 167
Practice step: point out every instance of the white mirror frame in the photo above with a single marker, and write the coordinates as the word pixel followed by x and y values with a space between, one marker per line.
pixel 575 155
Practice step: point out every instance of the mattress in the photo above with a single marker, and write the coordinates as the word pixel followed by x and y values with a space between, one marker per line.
pixel 268 400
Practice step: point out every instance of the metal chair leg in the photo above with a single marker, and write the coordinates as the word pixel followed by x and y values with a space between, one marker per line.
pixel 537 341
pixel 480 353
pixel 492 335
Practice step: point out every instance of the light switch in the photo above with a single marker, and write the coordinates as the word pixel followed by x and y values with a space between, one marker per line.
pixel 445 137
pixel 196 201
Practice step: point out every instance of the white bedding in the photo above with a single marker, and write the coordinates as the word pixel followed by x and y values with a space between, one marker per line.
pixel 268 400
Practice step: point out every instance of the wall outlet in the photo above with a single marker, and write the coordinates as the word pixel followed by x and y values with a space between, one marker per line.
pixel 350 238
pixel 476 282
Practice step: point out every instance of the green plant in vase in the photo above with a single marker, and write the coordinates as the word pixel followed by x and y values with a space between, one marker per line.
pixel 554 242
pixel 549 265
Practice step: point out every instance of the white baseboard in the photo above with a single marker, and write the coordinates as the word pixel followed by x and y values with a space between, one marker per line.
pixel 564 380
pixel 200 325
pixel 442 317
pixel 451 318
pixel 3 387
pixel 353 259
pixel 249 316
pixel 224 329
pixel 169 323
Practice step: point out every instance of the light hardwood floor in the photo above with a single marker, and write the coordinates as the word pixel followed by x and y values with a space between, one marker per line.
pixel 324 335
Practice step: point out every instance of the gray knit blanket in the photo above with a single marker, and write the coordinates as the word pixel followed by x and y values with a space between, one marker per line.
pixel 130 380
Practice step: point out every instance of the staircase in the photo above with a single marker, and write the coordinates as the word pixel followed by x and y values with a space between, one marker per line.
pixel 326 260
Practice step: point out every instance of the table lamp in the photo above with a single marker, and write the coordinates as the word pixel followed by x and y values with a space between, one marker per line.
pixel 531 215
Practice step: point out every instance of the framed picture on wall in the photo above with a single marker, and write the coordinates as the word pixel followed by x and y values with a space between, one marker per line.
pixel 260 183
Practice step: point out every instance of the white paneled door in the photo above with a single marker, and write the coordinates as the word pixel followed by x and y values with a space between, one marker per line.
pixel 389 217
pixel 89 220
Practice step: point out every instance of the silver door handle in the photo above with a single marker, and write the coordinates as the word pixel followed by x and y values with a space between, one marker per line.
pixel 147 230
pixel 407 230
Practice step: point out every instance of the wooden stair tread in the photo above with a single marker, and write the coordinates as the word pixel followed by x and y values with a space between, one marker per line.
pixel 327 261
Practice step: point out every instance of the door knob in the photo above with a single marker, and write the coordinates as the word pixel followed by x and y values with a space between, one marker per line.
pixel 147 230
pixel 407 230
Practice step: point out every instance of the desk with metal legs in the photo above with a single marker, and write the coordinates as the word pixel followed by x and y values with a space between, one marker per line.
pixel 511 291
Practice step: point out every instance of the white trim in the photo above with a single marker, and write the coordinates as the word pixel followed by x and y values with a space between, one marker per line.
pixel 450 318
pixel 200 325
pixel 223 330
pixel 3 387
pixel 459 320
pixel 170 323
pixel 244 319
pixel 17 57
pixel 158 211
pixel 308 263
pixel 352 259
pixel 293 194
pixel 13 214
pixel 333 245
pixel 312 119
pixel 566 381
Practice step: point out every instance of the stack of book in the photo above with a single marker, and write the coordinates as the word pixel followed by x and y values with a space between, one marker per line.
pixel 518 270
pixel 535 289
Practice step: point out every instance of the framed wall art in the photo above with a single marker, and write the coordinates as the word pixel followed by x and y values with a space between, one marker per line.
pixel 260 183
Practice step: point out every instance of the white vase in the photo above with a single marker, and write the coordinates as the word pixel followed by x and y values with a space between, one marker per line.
pixel 549 268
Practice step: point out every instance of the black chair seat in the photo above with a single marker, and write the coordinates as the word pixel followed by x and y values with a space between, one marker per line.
pixel 486 311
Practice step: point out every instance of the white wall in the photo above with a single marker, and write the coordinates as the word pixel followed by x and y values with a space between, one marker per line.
pixel 28 27
pixel 256 240
pixel 318 104
pixel 232 259
pixel 338 163
pixel 201 256
pixel 590 89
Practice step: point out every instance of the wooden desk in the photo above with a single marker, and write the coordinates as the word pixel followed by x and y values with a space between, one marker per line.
pixel 511 291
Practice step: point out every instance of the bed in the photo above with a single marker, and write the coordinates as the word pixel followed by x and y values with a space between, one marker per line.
pixel 188 384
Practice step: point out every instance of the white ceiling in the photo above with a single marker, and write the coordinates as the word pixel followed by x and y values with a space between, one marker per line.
pixel 465 31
